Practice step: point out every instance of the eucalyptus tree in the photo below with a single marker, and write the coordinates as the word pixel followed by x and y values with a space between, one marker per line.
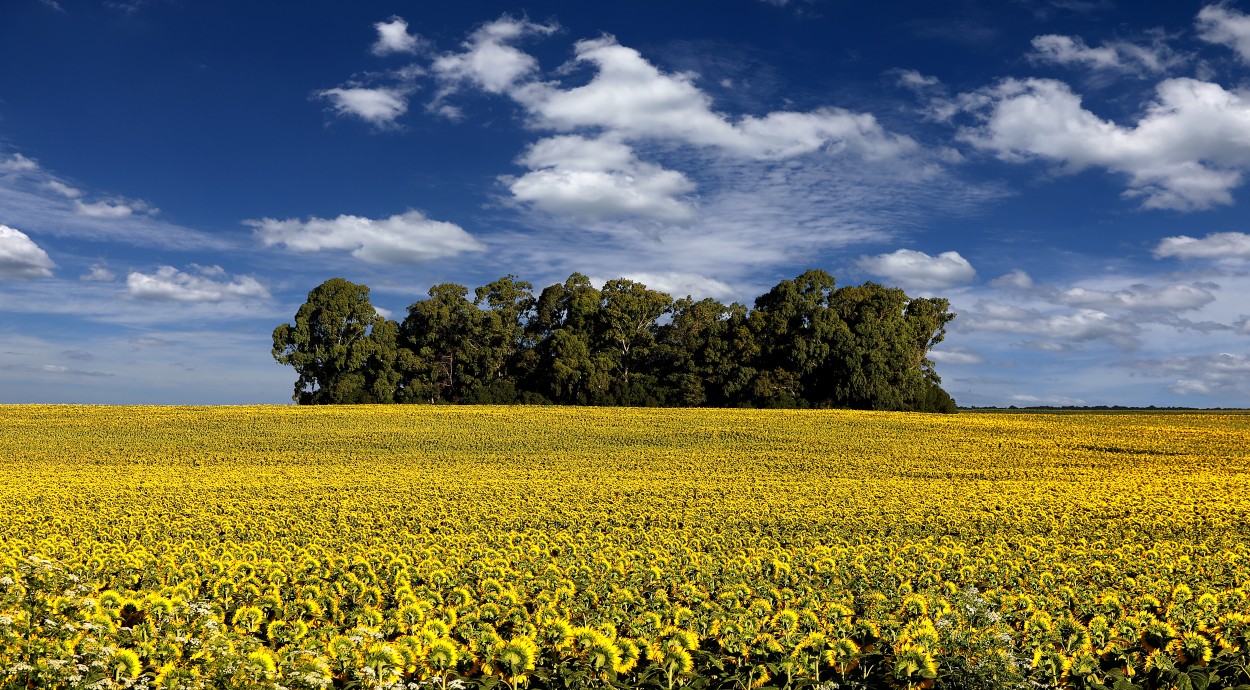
pixel 330 343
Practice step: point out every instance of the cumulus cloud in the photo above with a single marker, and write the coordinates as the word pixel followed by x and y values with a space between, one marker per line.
pixel 21 258
pixel 1218 245
pixel 1168 298
pixel 640 112
pixel 1224 26
pixel 1186 152
pixel 98 273
pixel 630 97
pixel 919 270
pixel 201 284
pixel 403 238
pixel 600 178
pixel 488 60
pixel 393 37
pixel 377 106
pixel 1122 56
pixel 1017 280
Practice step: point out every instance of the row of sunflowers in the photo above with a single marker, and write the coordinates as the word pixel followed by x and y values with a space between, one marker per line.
pixel 580 547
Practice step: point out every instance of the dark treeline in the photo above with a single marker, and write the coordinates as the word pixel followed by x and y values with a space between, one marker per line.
pixel 804 344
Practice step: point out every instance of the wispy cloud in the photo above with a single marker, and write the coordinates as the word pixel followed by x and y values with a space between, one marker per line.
pixel 1218 23
pixel 1123 57
pixel 39 201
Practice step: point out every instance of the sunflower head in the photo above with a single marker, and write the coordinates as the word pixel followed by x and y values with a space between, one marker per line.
pixel 169 677
pixel 260 665
pixel 385 661
pixel 125 665
pixel 914 606
pixel 1156 634
pixel 629 655
pixel 515 658
pixel 443 655
pixel 842 655
pixel 913 666
pixel 1192 648
pixel 603 657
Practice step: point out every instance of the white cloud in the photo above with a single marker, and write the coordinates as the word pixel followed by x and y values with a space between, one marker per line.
pixel 377 106
pixel 488 61
pixel 1017 279
pixel 1219 24
pixel 1186 152
pixel 678 285
pixel 393 37
pixel 404 238
pixel 955 356
pixel 98 273
pixel 919 270
pixel 1170 298
pixel 1218 245
pixel 600 178
pixel 34 197
pixel 170 284
pixel 1048 400
pixel 63 189
pixel 21 258
pixel 1122 56
pixel 1201 374
pixel 18 163
pixel 630 96
pixel 1067 50
pixel 914 80
pixel 103 209
pixel 1081 325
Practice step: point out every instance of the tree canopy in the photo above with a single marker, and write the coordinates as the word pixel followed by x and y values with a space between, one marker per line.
pixel 805 343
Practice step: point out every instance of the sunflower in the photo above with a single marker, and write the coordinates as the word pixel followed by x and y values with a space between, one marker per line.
pixel 913 667
pixel 629 655
pixel 125 665
pixel 384 662
pixel 842 655
pixel 1191 648
pixel 169 677
pixel 260 666
pixel 443 655
pixel 514 659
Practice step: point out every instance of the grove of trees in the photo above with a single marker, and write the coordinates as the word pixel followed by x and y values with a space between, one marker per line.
pixel 806 343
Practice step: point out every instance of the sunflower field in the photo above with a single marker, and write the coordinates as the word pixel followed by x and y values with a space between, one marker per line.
pixel 560 547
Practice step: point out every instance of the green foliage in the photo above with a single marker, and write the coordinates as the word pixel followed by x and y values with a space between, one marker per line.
pixel 330 346
pixel 805 344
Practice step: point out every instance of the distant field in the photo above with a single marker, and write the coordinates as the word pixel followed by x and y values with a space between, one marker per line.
pixel 268 547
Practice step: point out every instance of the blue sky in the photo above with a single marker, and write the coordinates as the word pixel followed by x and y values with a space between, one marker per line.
pixel 175 176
